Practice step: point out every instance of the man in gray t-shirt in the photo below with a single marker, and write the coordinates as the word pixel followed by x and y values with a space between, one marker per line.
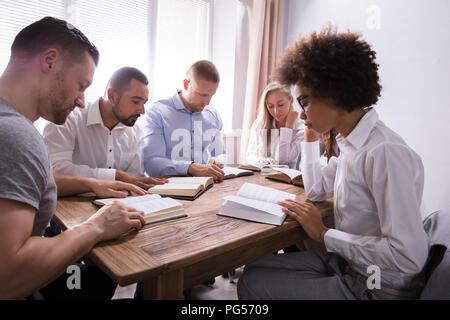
pixel 51 65
pixel 25 172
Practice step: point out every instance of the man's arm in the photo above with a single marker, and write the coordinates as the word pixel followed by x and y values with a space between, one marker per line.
pixel 29 263
pixel 68 185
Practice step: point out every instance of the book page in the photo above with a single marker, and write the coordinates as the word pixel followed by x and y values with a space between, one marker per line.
pixel 148 203
pixel 231 170
pixel 129 201
pixel 252 163
pixel 191 180
pixel 268 207
pixel 291 173
pixel 257 192
pixel 176 186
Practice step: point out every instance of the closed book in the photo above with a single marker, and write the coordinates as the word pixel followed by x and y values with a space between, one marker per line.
pixel 256 203
pixel 155 208
pixel 186 188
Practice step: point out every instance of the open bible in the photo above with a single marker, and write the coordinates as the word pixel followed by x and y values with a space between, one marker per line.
pixel 231 172
pixel 185 188
pixel 287 175
pixel 260 167
pixel 256 203
pixel 155 207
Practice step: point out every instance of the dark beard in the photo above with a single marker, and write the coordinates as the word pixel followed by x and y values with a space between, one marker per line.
pixel 59 116
pixel 57 100
pixel 126 121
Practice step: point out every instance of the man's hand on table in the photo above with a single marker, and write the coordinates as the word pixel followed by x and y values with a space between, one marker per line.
pixel 206 170
pixel 142 182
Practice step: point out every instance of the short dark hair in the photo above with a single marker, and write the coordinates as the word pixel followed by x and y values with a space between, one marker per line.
pixel 339 66
pixel 120 80
pixel 204 69
pixel 52 32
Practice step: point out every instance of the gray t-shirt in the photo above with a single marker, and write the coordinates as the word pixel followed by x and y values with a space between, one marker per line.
pixel 25 171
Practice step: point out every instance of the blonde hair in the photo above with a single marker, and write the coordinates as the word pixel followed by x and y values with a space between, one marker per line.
pixel 203 69
pixel 264 119
pixel 263 122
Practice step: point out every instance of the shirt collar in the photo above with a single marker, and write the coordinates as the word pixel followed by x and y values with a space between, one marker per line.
pixel 360 132
pixel 94 116
pixel 177 102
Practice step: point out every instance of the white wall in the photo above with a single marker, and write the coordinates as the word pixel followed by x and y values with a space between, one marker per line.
pixel 412 41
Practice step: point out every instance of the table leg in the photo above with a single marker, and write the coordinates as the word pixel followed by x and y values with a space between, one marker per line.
pixel 167 286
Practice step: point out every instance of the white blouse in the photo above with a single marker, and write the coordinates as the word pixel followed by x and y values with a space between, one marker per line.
pixel 84 147
pixel 284 143
pixel 377 182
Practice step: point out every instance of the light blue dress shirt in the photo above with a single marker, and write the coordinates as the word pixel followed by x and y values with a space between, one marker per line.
pixel 175 137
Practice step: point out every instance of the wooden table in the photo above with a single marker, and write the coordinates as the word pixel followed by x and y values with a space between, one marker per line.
pixel 171 256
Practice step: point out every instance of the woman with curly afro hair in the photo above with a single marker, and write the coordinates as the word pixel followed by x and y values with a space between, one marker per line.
pixel 378 247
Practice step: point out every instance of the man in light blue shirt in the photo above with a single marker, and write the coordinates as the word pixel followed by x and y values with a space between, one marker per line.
pixel 183 133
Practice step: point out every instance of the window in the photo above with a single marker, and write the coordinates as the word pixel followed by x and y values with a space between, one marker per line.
pixel 120 32
pixel 162 38
pixel 182 37
pixel 17 14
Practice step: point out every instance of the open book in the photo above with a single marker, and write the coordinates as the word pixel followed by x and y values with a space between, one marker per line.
pixel 186 188
pixel 231 172
pixel 156 209
pixel 287 175
pixel 260 167
pixel 256 203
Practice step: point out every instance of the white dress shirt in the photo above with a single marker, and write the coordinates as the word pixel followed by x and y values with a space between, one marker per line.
pixel 284 147
pixel 84 147
pixel 378 183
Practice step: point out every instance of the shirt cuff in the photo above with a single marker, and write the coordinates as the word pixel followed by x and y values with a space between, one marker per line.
pixel 181 167
pixel 106 174
pixel 310 152
pixel 334 239
pixel 285 134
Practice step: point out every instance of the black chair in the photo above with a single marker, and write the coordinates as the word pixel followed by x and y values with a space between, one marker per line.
pixel 437 268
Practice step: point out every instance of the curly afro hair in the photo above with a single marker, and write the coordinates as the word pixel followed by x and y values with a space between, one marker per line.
pixel 339 66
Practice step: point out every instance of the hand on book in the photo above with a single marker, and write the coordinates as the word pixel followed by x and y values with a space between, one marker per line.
pixel 216 161
pixel 308 216
pixel 206 170
pixel 115 219
pixel 142 182
pixel 114 189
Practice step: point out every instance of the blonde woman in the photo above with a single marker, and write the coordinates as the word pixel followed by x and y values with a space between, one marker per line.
pixel 277 132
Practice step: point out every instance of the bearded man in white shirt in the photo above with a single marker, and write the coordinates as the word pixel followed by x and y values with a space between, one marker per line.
pixel 378 247
pixel 102 140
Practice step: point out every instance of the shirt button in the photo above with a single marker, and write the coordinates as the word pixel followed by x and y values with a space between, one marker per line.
pixel 110 150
